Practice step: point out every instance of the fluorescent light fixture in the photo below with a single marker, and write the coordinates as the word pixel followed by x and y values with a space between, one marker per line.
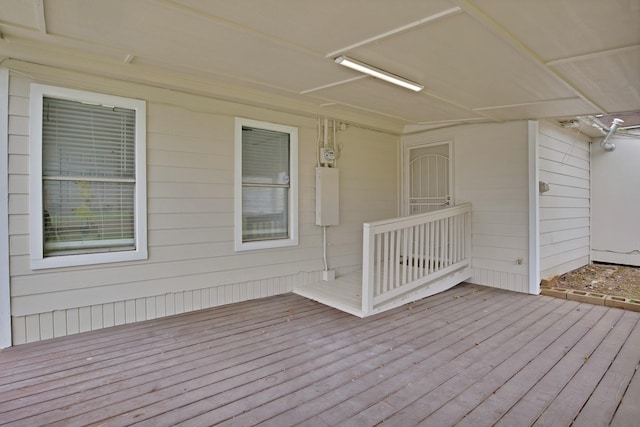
pixel 378 73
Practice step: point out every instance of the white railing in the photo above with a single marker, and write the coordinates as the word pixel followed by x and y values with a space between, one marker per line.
pixel 402 254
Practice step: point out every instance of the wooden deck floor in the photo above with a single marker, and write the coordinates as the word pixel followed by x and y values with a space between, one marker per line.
pixel 471 356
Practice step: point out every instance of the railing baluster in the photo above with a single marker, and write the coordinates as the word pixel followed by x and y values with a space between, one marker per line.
pixel 392 260
pixel 416 252
pixel 467 234
pixel 406 245
pixel 420 251
pixel 438 243
pixel 445 251
pixel 425 251
pixel 378 279
pixel 385 277
pixel 396 277
pixel 412 246
pixel 450 244
pixel 460 237
pixel 456 243
pixel 443 244
pixel 432 242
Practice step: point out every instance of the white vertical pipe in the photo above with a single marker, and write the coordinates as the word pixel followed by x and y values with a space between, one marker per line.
pixel 326 133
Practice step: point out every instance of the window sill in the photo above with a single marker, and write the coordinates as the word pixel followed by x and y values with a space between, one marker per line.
pixel 87 259
pixel 265 244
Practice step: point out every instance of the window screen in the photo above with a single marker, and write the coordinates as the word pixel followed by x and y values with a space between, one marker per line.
pixel 88 172
pixel 265 184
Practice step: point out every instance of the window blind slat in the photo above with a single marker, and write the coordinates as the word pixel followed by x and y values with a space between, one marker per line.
pixel 265 156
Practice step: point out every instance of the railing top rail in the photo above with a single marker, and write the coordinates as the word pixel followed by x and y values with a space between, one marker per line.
pixel 408 221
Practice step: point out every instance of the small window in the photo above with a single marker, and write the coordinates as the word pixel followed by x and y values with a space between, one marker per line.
pixel 88 187
pixel 266 185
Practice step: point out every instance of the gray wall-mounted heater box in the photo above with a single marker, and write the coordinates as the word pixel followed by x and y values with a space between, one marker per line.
pixel 327 196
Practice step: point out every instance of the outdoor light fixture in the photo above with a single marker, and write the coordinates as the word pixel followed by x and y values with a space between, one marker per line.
pixel 604 143
pixel 378 73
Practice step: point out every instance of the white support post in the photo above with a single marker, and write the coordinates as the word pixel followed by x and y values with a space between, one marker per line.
pixel 5 290
pixel 534 210
pixel 368 248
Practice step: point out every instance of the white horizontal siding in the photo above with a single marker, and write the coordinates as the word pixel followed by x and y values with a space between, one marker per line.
pixel 563 161
pixel 490 171
pixel 190 216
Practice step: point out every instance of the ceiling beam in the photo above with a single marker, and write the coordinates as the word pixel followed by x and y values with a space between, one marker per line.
pixel 524 50
pixel 592 55
pixel 41 18
pixel 525 104
pixel 445 122
pixel 239 27
pixel 402 29
pixel 341 82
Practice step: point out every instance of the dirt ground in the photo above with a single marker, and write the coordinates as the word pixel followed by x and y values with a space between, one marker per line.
pixel 607 279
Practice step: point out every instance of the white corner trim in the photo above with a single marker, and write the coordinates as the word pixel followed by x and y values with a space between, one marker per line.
pixel 534 209
pixel 5 289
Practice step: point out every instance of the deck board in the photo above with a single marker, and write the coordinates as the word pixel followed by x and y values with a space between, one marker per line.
pixel 573 397
pixel 426 372
pixel 628 413
pixel 515 349
pixel 471 355
pixel 490 396
pixel 601 405
pixel 547 389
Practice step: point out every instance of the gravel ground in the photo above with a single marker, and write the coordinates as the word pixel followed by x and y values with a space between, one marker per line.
pixel 607 279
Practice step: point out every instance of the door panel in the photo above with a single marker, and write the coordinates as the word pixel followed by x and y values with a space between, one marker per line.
pixel 429 186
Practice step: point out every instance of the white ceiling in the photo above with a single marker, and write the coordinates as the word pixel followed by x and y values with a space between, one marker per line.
pixel 479 60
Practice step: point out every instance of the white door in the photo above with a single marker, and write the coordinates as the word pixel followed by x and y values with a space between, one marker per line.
pixel 428 178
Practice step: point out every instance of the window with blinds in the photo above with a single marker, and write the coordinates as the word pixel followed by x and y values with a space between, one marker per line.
pixel 88 174
pixel 267 197
pixel 87 186
pixel 265 184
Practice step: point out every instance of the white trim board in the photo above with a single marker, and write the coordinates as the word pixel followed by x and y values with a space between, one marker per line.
pixel 38 260
pixel 5 291
pixel 534 209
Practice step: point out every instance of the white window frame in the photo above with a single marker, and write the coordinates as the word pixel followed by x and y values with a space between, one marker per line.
pixel 292 240
pixel 38 260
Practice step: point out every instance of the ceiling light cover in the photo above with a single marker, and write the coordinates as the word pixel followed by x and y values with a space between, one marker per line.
pixel 378 73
